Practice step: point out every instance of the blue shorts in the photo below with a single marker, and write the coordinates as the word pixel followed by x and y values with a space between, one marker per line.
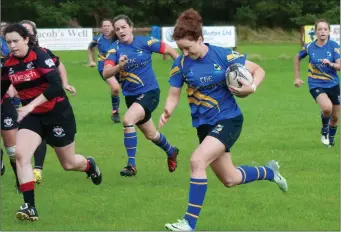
pixel 149 101
pixel 333 93
pixel 227 131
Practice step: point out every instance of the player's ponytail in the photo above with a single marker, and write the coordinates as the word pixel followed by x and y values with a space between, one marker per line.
pixel 188 25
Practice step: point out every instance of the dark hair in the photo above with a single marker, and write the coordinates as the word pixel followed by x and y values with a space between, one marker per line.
pixel 23 32
pixel 124 17
pixel 188 25
pixel 321 21
pixel 112 34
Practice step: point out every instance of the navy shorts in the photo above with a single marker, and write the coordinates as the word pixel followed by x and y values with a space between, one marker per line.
pixel 149 101
pixel 117 76
pixel 333 93
pixel 226 131
pixel 9 115
pixel 58 130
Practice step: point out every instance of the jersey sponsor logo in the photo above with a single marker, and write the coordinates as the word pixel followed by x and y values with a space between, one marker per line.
pixel 10 71
pixel 27 76
pixel 152 41
pixel 49 62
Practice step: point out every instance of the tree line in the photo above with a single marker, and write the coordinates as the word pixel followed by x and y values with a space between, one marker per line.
pixel 286 14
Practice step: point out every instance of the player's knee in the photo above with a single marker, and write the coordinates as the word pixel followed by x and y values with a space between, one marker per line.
pixel 115 92
pixel 21 156
pixel 197 164
pixel 229 182
pixel 334 119
pixel 127 121
pixel 327 110
pixel 11 153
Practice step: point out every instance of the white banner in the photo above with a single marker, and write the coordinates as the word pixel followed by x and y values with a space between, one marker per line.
pixel 223 36
pixel 335 33
pixel 57 39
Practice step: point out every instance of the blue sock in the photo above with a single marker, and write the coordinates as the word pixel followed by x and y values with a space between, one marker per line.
pixel 332 132
pixel 197 191
pixel 164 145
pixel 130 142
pixel 115 102
pixel 325 121
pixel 251 173
pixel 16 102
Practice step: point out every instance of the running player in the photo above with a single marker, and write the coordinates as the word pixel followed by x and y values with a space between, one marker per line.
pixel 46 114
pixel 214 111
pixel 323 81
pixel 131 57
pixel 40 153
pixel 103 42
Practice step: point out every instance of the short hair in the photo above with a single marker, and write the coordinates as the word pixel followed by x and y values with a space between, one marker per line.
pixel 321 21
pixel 188 25
pixel 33 24
pixel 124 17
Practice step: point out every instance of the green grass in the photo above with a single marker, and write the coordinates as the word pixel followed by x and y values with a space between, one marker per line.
pixel 281 122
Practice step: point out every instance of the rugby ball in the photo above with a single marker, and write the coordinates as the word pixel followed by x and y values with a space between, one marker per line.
pixel 235 72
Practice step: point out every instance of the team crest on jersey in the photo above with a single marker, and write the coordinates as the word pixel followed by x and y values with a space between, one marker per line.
pixel 329 54
pixel 152 41
pixel 29 66
pixel 58 132
pixel 216 67
pixel 139 52
pixel 8 122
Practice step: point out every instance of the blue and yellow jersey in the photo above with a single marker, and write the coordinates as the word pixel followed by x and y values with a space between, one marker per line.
pixel 103 46
pixel 137 75
pixel 321 75
pixel 208 95
pixel 4 53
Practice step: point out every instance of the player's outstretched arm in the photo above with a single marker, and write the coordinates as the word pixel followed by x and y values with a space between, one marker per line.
pixel 171 103
pixel 171 51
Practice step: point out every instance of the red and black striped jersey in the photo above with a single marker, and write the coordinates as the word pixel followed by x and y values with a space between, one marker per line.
pixel 52 55
pixel 32 75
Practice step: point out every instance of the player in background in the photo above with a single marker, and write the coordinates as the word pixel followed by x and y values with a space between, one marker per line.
pixel 39 155
pixel 46 113
pixel 103 42
pixel 4 52
pixel 131 56
pixel 323 80
pixel 215 114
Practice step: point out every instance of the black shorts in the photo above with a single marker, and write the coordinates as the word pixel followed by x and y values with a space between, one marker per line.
pixel 226 131
pixel 149 101
pixel 9 115
pixel 58 131
pixel 117 76
pixel 333 93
